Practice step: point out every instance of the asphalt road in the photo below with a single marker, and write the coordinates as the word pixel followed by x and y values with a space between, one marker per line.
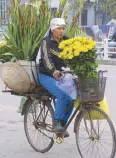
pixel 13 143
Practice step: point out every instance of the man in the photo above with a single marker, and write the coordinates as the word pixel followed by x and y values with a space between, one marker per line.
pixel 50 67
pixel 114 37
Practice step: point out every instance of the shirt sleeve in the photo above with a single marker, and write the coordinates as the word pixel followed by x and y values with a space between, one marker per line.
pixel 46 57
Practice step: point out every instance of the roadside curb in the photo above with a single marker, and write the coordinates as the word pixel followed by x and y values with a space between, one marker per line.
pixel 107 62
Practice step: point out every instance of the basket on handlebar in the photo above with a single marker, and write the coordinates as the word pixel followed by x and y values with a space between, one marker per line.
pixel 92 90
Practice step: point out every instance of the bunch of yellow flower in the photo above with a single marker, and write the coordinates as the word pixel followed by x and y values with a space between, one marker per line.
pixel 3 44
pixel 74 46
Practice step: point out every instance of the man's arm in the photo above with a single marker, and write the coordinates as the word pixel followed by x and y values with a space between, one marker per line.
pixel 46 57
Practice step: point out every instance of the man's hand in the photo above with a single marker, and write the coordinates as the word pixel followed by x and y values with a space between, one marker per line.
pixel 57 75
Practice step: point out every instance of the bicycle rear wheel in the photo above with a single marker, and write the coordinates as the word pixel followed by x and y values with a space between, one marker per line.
pixel 95 138
pixel 38 120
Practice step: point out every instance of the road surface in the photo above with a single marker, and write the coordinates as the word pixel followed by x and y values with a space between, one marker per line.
pixel 13 143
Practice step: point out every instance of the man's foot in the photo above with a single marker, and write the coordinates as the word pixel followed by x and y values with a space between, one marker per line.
pixel 66 134
pixel 58 138
pixel 58 128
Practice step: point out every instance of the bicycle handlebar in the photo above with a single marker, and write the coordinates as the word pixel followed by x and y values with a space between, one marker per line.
pixel 69 71
pixel 103 71
pixel 72 72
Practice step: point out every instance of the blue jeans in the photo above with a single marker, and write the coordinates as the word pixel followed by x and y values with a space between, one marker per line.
pixel 62 98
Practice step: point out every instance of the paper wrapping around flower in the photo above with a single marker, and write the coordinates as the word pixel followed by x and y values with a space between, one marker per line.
pixel 103 105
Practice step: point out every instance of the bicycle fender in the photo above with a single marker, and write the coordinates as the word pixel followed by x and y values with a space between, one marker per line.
pixel 25 106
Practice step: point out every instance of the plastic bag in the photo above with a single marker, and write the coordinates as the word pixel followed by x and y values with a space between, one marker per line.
pixel 103 105
pixel 67 84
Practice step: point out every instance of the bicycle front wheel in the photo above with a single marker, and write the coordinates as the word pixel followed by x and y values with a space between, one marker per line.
pixel 95 138
pixel 38 121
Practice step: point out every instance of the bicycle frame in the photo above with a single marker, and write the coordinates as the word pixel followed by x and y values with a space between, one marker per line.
pixel 72 117
pixel 79 108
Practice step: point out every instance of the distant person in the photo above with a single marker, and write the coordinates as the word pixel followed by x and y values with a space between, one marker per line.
pixel 114 37
pixel 113 45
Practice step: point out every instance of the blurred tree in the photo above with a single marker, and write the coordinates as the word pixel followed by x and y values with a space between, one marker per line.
pixel 108 6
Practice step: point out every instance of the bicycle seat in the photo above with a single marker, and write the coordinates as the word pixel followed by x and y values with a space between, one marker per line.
pixel 45 92
pixel 41 92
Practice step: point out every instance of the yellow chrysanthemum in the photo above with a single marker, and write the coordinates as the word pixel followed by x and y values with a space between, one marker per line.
pixel 3 44
pixel 70 49
pixel 76 53
pixel 89 47
pixel 66 50
pixel 74 46
pixel 77 46
pixel 84 49
pixel 80 38
pixel 62 45
pixel 69 55
pixel 66 43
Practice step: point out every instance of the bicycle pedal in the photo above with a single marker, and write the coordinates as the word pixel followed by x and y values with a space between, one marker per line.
pixel 58 138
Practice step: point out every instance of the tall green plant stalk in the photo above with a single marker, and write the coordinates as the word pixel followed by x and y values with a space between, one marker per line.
pixel 61 8
pixel 73 29
pixel 27 27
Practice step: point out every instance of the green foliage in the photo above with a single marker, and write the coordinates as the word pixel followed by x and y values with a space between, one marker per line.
pixel 108 6
pixel 26 28
pixel 73 29
pixel 84 65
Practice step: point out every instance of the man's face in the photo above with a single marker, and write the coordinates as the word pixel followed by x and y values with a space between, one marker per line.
pixel 59 32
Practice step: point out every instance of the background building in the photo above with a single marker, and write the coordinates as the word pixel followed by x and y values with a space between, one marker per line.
pixel 2 10
pixel 92 14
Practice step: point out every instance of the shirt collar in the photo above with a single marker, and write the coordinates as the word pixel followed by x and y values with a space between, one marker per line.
pixel 56 41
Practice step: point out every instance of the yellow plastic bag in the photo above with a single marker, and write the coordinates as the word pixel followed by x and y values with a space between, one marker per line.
pixel 96 115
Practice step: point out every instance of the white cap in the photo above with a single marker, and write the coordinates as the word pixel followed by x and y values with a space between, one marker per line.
pixel 57 22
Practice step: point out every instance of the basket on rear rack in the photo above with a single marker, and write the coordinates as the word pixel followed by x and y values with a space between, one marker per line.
pixel 92 90
pixel 20 76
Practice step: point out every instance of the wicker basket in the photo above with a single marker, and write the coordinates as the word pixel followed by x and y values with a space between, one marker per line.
pixel 30 68
pixel 15 77
pixel 92 90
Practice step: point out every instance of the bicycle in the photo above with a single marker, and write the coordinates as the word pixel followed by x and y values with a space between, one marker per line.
pixel 90 138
